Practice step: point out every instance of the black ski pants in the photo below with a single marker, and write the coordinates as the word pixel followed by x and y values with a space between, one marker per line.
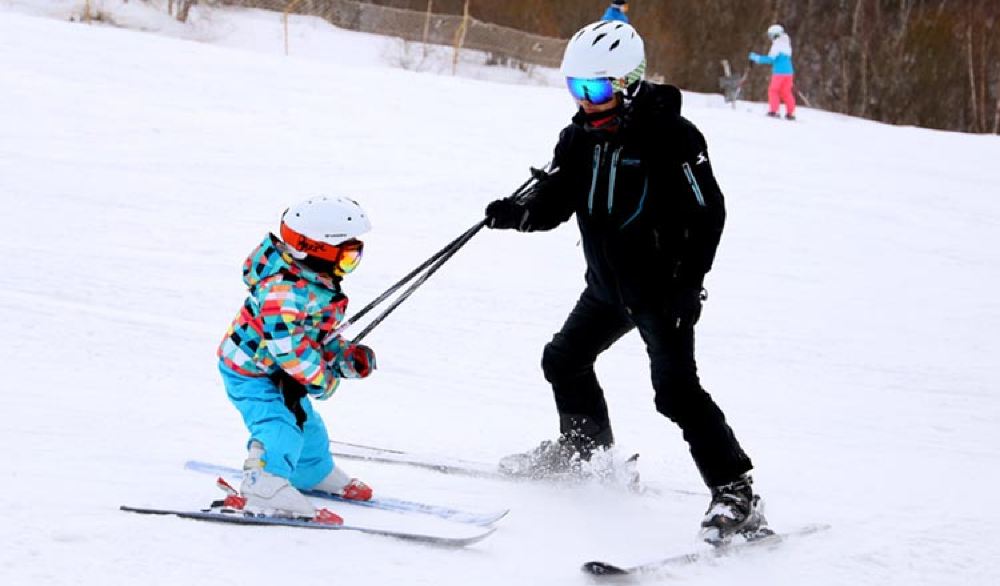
pixel 591 328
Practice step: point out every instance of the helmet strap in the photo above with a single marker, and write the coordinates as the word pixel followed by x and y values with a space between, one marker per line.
pixel 320 266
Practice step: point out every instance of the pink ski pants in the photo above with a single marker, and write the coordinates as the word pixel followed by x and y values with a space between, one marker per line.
pixel 781 91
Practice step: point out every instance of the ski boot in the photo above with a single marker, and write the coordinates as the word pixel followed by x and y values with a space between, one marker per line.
pixel 565 456
pixel 264 493
pixel 339 483
pixel 236 504
pixel 735 510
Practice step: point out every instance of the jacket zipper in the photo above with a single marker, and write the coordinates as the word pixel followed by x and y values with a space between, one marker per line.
pixel 694 184
pixel 642 203
pixel 598 152
pixel 612 175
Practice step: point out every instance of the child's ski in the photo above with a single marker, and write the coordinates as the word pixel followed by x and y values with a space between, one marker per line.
pixel 387 503
pixel 244 518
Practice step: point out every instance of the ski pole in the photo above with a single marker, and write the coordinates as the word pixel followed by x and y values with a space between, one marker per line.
pixel 437 259
pixel 388 292
pixel 423 278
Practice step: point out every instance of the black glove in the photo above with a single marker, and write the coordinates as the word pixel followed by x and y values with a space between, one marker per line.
pixel 504 214
pixel 684 305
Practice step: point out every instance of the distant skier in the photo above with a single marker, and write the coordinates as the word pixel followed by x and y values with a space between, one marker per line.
pixel 275 355
pixel 638 177
pixel 782 72
pixel 617 11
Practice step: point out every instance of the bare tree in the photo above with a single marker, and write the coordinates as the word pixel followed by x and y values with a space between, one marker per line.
pixel 933 63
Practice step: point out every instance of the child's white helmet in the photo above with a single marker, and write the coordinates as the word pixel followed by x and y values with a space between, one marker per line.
pixel 608 48
pixel 317 226
pixel 775 30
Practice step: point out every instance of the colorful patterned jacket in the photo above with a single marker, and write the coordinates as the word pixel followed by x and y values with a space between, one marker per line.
pixel 282 323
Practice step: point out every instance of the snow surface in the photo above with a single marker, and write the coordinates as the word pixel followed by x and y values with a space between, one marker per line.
pixel 850 334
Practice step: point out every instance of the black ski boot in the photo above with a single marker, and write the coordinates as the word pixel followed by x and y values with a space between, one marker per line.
pixel 735 510
pixel 565 456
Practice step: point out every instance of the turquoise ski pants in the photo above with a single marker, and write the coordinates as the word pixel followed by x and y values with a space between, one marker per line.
pixel 300 455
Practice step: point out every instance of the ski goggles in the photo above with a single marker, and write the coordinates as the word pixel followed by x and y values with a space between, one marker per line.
pixel 596 90
pixel 345 256
pixel 349 257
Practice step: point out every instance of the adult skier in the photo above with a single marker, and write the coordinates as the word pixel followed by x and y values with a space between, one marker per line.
pixel 276 355
pixel 779 58
pixel 618 10
pixel 638 177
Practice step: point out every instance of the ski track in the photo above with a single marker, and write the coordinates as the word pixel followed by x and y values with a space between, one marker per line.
pixel 849 335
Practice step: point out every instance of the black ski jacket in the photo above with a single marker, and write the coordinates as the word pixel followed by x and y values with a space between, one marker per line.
pixel 649 209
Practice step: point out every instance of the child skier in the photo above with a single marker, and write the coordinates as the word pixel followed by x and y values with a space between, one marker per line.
pixel 278 352
pixel 779 57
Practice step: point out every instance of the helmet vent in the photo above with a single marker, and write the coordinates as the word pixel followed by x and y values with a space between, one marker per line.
pixel 598 39
pixel 614 45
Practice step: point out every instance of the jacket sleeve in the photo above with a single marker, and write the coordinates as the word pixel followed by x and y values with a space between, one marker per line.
pixel 704 210
pixel 284 320
pixel 550 202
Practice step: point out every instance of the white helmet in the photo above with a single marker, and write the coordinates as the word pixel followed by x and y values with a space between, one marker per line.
pixel 317 226
pixel 608 48
pixel 775 30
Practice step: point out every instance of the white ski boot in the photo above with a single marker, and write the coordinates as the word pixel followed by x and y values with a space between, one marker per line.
pixel 269 494
pixel 339 483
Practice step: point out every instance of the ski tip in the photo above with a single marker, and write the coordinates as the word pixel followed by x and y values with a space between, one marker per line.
pixel 602 569
pixel 449 541
pixel 481 536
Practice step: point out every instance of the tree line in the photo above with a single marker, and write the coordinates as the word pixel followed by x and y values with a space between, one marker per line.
pixel 930 63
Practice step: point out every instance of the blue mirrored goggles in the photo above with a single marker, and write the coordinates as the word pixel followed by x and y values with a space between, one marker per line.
pixel 596 90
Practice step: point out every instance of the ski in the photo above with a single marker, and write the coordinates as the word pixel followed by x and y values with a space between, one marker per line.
pixel 448 465
pixel 244 518
pixel 598 568
pixel 386 503
pixel 439 464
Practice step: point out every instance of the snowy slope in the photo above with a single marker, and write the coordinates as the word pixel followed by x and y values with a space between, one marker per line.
pixel 849 336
